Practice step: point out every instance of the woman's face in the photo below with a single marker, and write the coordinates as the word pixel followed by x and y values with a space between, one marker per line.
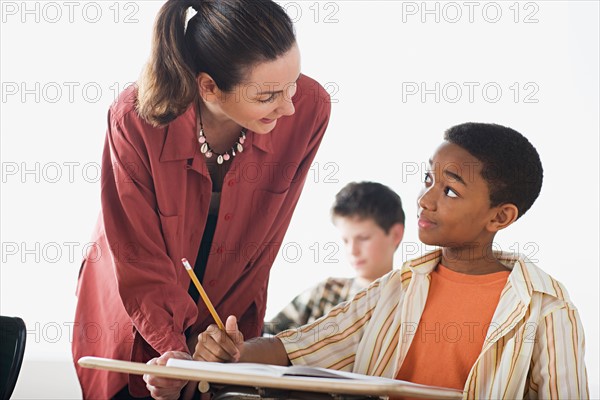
pixel 265 96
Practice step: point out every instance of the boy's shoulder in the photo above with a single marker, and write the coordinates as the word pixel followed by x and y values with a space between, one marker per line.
pixel 331 285
pixel 337 281
pixel 528 277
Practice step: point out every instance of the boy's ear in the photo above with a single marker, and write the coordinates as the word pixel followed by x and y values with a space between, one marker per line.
pixel 397 232
pixel 505 214
pixel 209 91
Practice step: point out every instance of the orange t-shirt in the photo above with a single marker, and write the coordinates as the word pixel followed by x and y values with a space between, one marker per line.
pixel 452 329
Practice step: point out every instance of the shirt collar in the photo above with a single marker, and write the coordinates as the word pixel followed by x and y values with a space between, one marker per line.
pixel 424 264
pixel 525 276
pixel 180 142
pixel 263 141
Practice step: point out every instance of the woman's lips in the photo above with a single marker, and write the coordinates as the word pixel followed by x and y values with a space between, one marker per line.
pixel 267 120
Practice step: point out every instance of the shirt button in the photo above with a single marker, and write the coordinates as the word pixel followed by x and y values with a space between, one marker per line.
pixel 212 283
pixel 220 250
pixel 228 217
pixel 231 182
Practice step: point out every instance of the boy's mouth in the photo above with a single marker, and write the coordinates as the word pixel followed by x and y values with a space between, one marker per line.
pixel 425 223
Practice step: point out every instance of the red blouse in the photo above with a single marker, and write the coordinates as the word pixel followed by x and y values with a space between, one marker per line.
pixel 133 301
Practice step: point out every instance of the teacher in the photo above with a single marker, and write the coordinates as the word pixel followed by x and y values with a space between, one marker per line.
pixel 205 158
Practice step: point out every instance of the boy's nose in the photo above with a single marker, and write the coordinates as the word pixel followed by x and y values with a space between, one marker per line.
pixel 354 249
pixel 425 200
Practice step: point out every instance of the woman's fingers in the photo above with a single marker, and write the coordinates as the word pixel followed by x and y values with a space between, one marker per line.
pixel 165 388
pixel 162 360
pixel 158 381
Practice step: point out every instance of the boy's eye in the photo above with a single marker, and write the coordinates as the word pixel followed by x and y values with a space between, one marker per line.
pixel 427 178
pixel 450 192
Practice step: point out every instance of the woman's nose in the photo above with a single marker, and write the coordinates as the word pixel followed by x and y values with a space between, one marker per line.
pixel 286 107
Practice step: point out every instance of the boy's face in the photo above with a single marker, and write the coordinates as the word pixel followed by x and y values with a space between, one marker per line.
pixel 368 248
pixel 454 206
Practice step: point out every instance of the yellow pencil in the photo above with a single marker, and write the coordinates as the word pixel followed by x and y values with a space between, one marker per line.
pixel 203 294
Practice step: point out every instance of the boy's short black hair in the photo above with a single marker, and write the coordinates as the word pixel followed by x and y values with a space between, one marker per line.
pixel 369 200
pixel 511 165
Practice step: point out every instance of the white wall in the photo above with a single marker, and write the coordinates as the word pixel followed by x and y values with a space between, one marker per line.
pixel 368 54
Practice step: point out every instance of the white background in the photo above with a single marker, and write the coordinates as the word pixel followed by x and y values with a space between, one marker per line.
pixel 372 56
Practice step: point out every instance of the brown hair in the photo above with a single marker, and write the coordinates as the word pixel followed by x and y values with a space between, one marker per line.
pixel 369 200
pixel 223 39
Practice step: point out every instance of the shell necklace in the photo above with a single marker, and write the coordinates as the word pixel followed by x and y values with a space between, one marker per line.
pixel 221 157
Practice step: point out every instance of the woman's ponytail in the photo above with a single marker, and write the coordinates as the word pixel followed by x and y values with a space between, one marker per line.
pixel 167 85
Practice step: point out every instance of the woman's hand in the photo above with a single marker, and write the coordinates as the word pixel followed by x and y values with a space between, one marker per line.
pixel 165 388
pixel 216 345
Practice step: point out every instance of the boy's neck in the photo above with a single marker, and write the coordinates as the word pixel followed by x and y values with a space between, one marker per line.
pixel 471 260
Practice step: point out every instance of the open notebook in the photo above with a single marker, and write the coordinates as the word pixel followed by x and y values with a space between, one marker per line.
pixel 252 369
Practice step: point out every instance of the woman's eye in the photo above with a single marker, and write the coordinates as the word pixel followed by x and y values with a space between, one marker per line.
pixel 268 100
pixel 450 192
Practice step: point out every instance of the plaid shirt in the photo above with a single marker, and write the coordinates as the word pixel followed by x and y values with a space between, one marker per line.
pixel 313 303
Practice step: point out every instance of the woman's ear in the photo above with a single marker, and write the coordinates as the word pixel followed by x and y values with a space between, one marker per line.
pixel 505 214
pixel 208 89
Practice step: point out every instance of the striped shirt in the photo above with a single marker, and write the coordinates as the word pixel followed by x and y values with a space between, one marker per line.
pixel 534 347
pixel 314 303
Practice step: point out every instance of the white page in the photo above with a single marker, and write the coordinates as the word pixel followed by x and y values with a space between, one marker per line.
pixel 239 368
pixel 277 371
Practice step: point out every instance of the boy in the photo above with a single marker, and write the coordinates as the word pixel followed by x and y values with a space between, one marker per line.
pixel 370 219
pixel 492 324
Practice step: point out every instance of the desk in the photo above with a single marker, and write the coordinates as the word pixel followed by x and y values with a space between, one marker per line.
pixel 333 387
